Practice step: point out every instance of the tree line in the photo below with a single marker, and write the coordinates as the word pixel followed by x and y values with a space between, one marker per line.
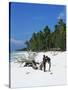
pixel 46 40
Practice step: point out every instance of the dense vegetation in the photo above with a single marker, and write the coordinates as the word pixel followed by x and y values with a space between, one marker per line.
pixel 46 39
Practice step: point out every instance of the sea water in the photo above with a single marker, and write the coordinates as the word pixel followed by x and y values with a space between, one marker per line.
pixel 18 55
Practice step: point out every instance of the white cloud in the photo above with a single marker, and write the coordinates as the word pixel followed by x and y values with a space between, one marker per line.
pixel 62 15
pixel 16 41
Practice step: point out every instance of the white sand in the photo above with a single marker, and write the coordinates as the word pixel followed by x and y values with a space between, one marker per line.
pixel 28 77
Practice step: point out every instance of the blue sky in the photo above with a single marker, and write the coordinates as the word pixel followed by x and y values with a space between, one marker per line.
pixel 26 18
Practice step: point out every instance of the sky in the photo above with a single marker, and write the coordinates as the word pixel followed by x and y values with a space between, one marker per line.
pixel 26 18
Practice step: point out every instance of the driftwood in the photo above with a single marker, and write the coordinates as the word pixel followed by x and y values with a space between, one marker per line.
pixel 28 63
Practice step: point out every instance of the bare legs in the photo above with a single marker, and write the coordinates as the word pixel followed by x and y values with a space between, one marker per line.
pixel 49 65
pixel 43 65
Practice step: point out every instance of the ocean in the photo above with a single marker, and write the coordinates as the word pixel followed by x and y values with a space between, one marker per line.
pixel 17 55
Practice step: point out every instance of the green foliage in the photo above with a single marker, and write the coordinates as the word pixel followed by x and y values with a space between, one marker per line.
pixel 46 40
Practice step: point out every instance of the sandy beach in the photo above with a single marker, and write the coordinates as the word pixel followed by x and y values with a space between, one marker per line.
pixel 28 77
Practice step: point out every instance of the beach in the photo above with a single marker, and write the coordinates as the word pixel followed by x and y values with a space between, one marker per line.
pixel 29 77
